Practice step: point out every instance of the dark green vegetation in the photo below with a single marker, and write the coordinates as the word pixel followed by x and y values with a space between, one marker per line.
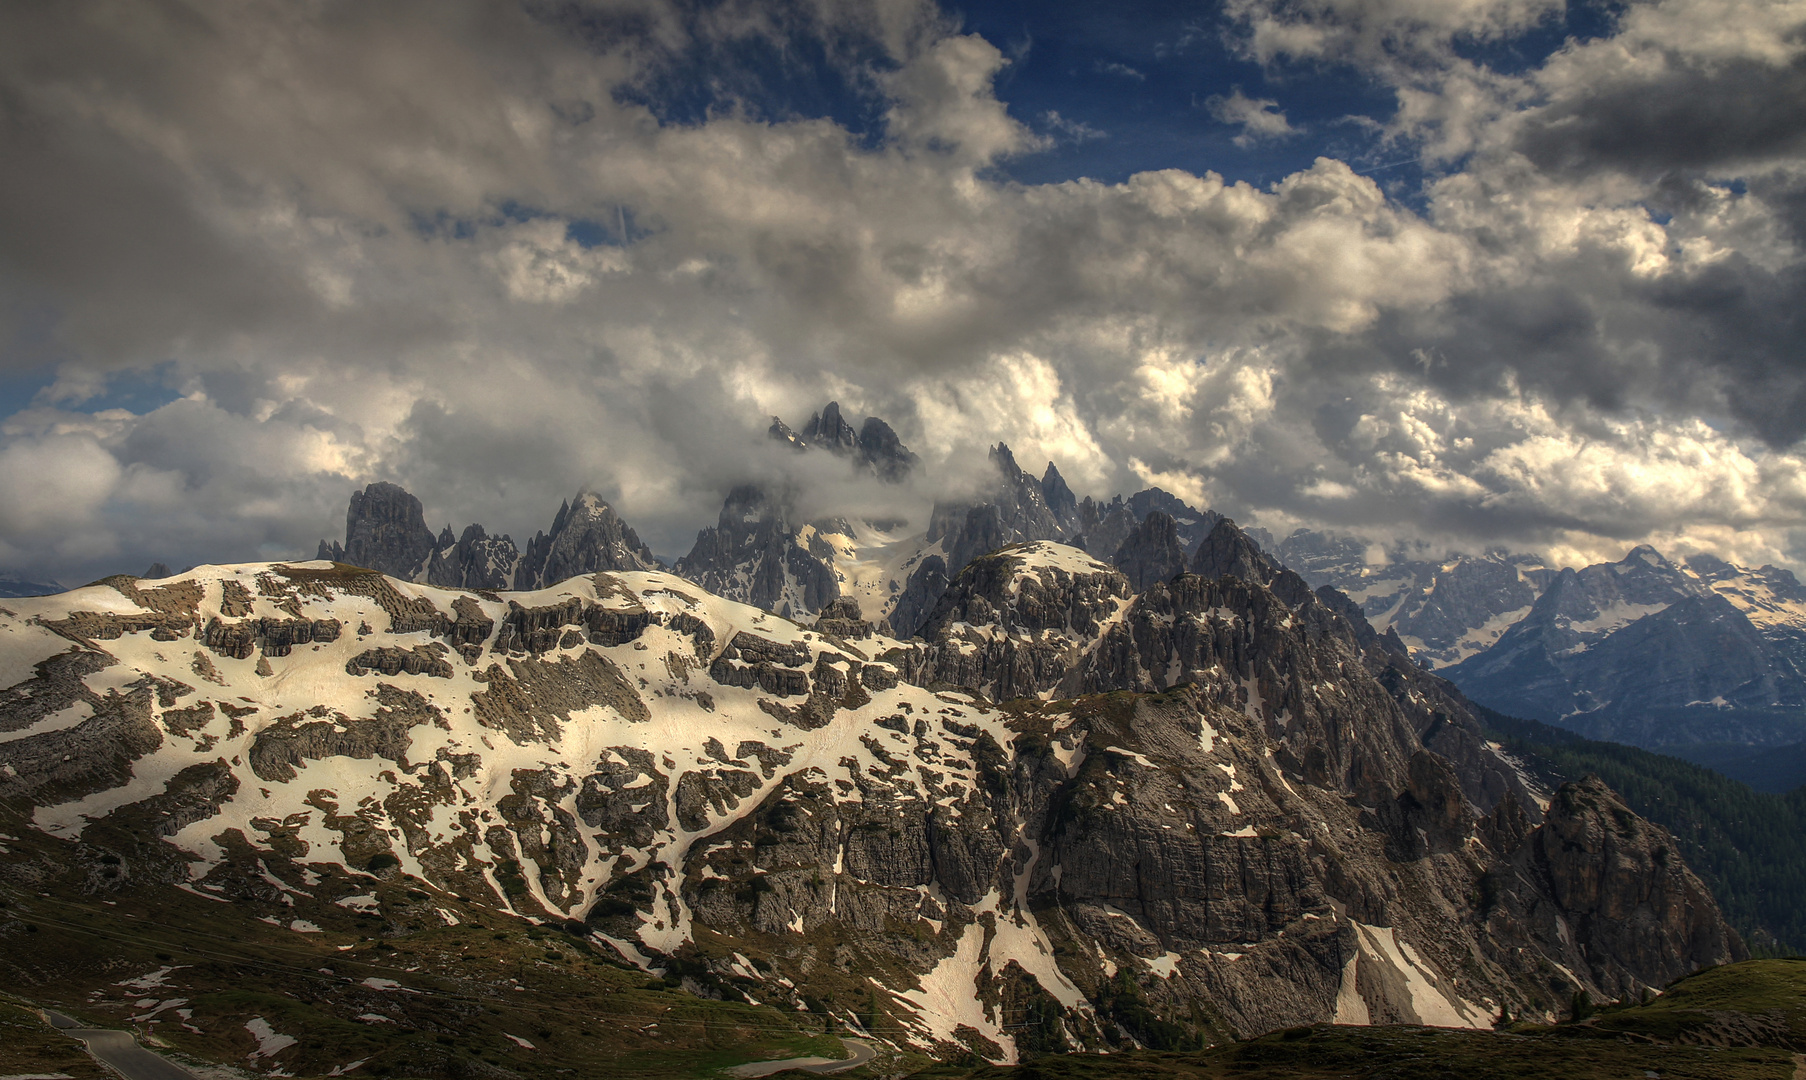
pixel 391 982
pixel 1748 846
pixel 1777 769
pixel 1738 1022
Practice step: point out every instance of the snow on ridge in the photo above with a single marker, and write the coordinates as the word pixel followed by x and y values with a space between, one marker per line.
pixel 314 677
pixel 1047 554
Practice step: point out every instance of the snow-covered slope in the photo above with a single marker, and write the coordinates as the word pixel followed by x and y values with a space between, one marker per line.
pixel 1210 806
pixel 1647 652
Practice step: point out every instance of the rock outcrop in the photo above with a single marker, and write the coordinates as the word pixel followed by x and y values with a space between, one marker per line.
pixel 1600 890
pixel 755 554
pixel 385 531
pixel 1152 553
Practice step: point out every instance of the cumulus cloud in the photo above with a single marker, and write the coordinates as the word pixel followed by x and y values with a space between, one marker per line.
pixel 1259 118
pixel 1378 33
pixel 474 248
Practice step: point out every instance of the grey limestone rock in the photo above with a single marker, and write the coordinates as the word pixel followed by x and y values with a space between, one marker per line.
pixel 587 537
pixel 753 555
pixel 475 560
pixel 386 531
pixel 1016 511
pixel 1604 892
pixel 1152 553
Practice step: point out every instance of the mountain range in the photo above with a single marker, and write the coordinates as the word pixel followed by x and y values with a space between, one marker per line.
pixel 1172 801
pixel 1570 646
pixel 1701 659
pixel 1049 775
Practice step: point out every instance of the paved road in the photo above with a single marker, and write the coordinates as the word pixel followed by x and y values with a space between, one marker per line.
pixel 118 1049
pixel 861 1050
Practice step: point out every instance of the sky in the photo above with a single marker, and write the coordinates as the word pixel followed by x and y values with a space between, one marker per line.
pixel 1476 274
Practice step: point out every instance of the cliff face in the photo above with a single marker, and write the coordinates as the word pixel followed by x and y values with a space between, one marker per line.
pixel 1071 816
pixel 1603 891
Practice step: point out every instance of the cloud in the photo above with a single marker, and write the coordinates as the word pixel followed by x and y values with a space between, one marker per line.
pixel 488 252
pixel 1377 32
pixel 1260 119
pixel 1121 70
pixel 1072 131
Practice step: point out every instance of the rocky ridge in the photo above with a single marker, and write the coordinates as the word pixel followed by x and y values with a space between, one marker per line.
pixel 1073 815
pixel 386 531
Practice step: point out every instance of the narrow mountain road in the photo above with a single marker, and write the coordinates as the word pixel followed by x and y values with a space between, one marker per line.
pixel 119 1051
pixel 861 1050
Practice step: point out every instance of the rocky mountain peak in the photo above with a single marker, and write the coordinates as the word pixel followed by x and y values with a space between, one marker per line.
pixel 875 446
pixel 1228 552
pixel 587 537
pixel 385 531
pixel 1193 524
pixel 828 430
pixel 1005 460
pixel 1152 553
pixel 880 449
pixel 782 432
pixel 753 554
pixel 1061 502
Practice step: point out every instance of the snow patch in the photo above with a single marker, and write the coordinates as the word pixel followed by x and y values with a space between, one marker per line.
pixel 269 1043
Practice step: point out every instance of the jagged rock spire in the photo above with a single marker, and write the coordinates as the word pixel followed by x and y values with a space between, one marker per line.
pixel 875 445
pixel 1152 553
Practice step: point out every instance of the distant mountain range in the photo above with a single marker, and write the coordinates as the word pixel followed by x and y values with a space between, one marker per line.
pixel 13 585
pixel 1703 659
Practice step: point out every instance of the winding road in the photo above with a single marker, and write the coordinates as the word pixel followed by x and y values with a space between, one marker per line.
pixel 861 1051
pixel 120 1051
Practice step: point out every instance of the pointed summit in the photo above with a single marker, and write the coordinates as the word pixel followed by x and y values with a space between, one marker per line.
pixel 1060 499
pixel 783 433
pixel 1006 462
pixel 587 537
pixel 829 430
pixel 1227 552
pixel 880 448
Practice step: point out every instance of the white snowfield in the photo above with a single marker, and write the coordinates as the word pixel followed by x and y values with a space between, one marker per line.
pixel 457 761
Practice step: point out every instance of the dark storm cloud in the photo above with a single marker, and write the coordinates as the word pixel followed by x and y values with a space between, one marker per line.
pixel 1726 119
